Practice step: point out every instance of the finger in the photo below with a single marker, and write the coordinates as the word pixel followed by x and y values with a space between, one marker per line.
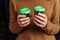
pixel 40 18
pixel 21 16
pixel 24 22
pixel 21 25
pixel 42 15
pixel 24 19
pixel 40 22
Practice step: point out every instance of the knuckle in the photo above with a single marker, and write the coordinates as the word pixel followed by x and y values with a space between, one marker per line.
pixel 21 19
pixel 18 16
pixel 28 20
pixel 29 23
pixel 22 22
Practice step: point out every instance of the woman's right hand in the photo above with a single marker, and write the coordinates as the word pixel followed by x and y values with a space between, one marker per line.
pixel 23 21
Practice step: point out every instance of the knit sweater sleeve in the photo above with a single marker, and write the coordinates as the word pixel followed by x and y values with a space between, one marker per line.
pixel 13 25
pixel 53 25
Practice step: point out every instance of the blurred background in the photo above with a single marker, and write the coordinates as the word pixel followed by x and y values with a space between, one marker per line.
pixel 3 19
pixel 5 34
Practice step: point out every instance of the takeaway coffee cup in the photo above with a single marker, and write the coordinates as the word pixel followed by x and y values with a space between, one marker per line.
pixel 25 11
pixel 39 9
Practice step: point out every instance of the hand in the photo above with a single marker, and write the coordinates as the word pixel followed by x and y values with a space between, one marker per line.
pixel 23 21
pixel 40 20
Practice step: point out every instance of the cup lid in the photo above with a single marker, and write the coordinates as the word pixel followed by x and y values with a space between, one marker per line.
pixel 24 11
pixel 39 8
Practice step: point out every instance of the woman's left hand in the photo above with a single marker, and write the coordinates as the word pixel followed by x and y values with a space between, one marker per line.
pixel 40 20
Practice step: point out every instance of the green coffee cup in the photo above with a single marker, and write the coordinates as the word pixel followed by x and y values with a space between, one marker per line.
pixel 39 9
pixel 25 11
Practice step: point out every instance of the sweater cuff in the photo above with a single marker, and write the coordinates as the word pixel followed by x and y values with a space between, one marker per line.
pixel 47 28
